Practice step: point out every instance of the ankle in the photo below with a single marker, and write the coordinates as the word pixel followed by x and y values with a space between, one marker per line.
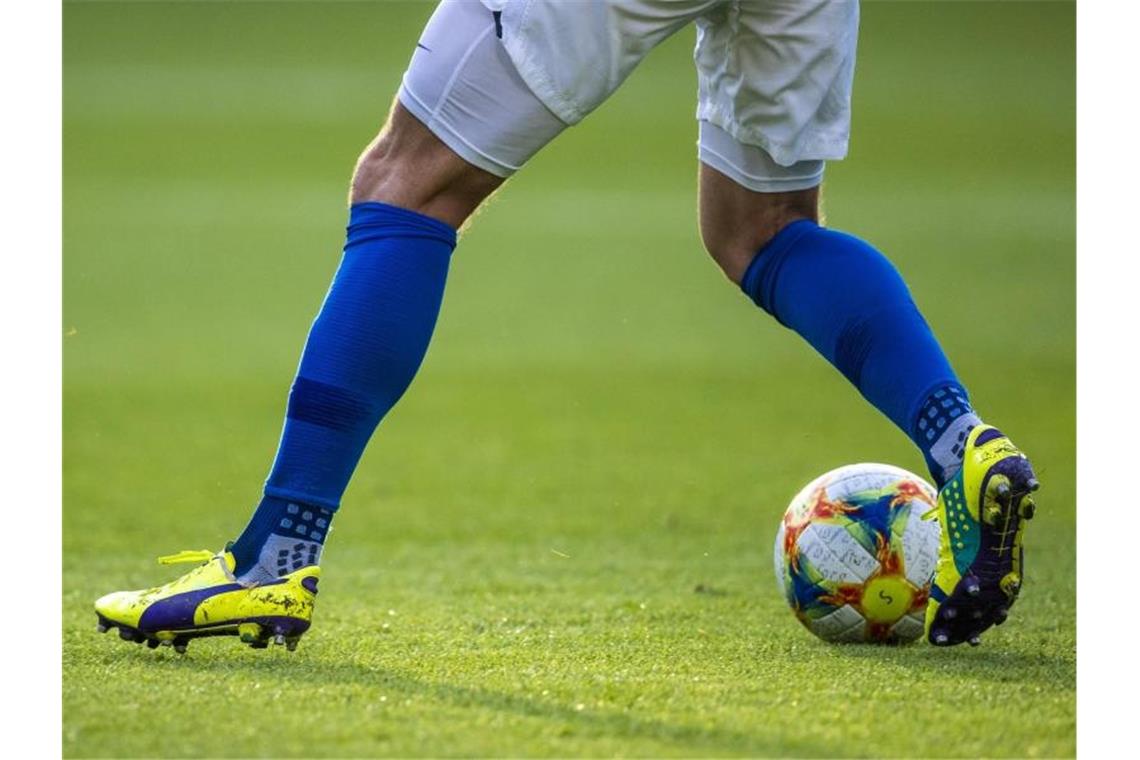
pixel 940 429
pixel 282 536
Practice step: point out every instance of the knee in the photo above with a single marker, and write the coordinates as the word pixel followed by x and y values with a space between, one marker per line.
pixel 734 250
pixel 376 171
pixel 408 166
pixel 735 227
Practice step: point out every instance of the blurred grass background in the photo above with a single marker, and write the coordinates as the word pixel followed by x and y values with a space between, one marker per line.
pixel 603 424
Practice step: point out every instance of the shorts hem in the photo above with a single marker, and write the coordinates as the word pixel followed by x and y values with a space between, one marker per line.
pixel 452 138
pixel 813 148
pixel 756 184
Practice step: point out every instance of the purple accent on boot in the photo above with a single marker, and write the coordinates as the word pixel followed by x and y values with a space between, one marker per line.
pixel 987 436
pixel 310 584
pixel 279 624
pixel 962 615
pixel 177 612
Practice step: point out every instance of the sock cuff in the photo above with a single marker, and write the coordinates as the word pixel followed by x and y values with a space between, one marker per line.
pixel 759 280
pixel 372 220
pixel 300 497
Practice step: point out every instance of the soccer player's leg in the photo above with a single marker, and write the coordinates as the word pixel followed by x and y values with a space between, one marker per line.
pixel 409 194
pixel 779 76
pixel 447 145
pixel 848 301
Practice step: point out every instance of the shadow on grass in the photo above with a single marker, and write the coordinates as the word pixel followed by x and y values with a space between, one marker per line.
pixel 983 664
pixel 579 723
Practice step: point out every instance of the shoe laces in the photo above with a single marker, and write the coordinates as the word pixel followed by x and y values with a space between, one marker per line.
pixel 187 555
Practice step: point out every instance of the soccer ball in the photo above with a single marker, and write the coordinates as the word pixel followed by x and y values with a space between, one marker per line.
pixel 855 558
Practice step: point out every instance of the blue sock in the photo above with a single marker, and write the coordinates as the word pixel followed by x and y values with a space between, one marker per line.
pixel 850 303
pixel 363 351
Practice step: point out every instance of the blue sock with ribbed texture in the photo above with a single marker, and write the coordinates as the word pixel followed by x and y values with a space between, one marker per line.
pixel 850 303
pixel 362 352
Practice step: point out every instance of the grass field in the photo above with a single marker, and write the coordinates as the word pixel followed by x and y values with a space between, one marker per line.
pixel 559 543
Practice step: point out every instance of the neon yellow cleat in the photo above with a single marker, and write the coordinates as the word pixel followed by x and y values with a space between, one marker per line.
pixel 983 510
pixel 210 601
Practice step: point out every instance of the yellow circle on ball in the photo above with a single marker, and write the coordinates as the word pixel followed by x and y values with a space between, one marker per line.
pixel 886 598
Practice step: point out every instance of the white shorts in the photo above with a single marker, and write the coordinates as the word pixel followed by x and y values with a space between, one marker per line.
pixel 497 80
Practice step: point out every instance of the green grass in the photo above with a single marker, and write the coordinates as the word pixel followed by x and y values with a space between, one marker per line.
pixel 602 427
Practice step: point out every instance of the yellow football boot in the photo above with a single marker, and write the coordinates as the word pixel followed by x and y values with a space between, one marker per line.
pixel 982 510
pixel 210 601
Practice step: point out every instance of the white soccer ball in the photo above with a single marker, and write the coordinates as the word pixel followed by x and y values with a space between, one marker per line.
pixel 854 556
